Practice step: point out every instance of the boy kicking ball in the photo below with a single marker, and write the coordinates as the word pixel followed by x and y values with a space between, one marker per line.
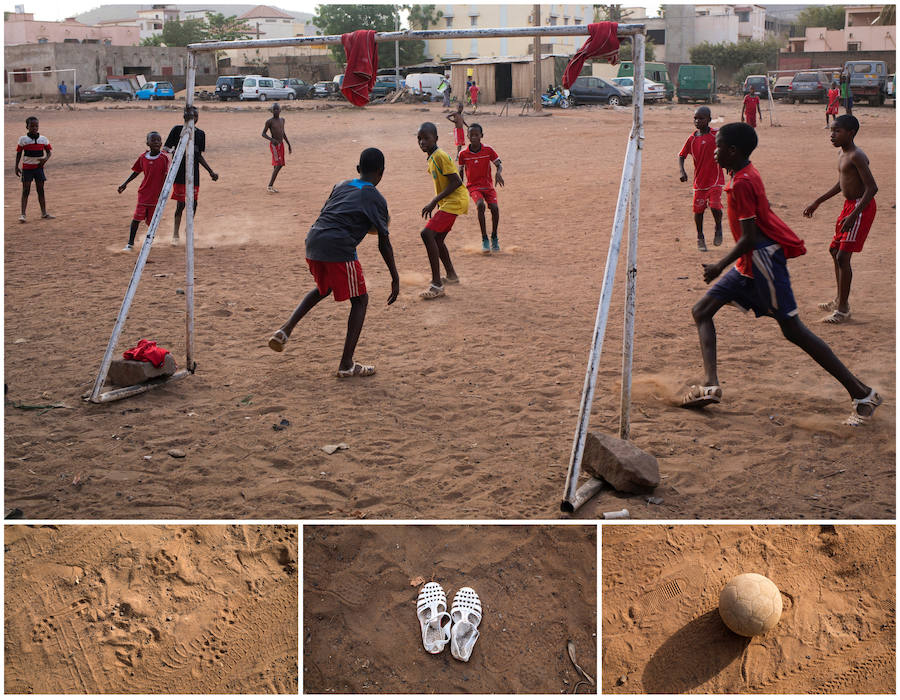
pixel 759 280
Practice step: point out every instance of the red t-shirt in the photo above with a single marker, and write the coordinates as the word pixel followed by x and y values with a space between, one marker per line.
pixel 751 102
pixel 154 169
pixel 473 93
pixel 746 198
pixel 478 166
pixel 707 172
pixel 834 98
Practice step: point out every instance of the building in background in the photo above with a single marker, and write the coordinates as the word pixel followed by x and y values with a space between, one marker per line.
pixel 21 28
pixel 858 34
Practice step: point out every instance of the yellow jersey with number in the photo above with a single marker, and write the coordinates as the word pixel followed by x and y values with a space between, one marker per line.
pixel 441 166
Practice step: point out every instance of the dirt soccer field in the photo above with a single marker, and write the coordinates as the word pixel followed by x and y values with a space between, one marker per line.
pixel 151 609
pixel 662 632
pixel 536 584
pixel 472 411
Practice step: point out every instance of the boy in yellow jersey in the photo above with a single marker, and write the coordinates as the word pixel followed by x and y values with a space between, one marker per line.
pixel 451 199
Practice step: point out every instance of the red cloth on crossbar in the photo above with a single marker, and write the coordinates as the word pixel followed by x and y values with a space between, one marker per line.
pixel 362 65
pixel 146 351
pixel 603 41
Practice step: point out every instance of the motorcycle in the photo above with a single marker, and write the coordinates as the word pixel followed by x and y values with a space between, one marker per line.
pixel 557 98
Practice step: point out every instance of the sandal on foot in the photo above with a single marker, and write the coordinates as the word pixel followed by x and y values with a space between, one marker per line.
pixel 450 280
pixel 836 317
pixel 278 340
pixel 827 306
pixel 21 218
pixel 466 616
pixel 856 418
pixel 433 292
pixel 47 216
pixel 357 370
pixel 431 609
pixel 717 238
pixel 699 396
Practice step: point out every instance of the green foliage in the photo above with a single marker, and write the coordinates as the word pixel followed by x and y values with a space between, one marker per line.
pixel 176 33
pixel 222 28
pixel 626 49
pixel 610 13
pixel 728 58
pixel 888 16
pixel 155 40
pixel 749 69
pixel 828 16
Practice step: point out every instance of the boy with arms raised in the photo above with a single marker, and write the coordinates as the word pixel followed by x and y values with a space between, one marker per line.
pixel 275 126
pixel 353 209
pixel 708 176
pixel 154 165
pixel 759 280
pixel 856 183
pixel 475 164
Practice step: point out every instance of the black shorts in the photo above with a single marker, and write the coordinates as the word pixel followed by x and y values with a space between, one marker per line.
pixel 36 174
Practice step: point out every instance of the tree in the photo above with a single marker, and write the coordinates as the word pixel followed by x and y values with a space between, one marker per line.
pixel 610 13
pixel 177 33
pixel 222 28
pixel 729 58
pixel 626 47
pixel 828 16
pixel 888 16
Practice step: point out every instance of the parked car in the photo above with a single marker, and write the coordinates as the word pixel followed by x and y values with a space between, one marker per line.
pixel 782 88
pixel 95 93
pixel 760 84
pixel 653 91
pixel 810 85
pixel 588 88
pixel 431 84
pixel 384 84
pixel 325 88
pixel 229 87
pixel 301 88
pixel 868 80
pixel 158 90
pixel 697 83
pixel 258 87
pixel 891 88
pixel 657 72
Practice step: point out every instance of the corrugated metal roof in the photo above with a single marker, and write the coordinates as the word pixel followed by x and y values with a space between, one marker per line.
pixel 504 59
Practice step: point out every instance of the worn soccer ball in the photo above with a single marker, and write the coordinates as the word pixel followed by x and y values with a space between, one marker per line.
pixel 750 604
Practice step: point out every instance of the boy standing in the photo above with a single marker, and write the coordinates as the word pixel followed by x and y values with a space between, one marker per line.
pixel 473 93
pixel 475 161
pixel 459 124
pixel 275 126
pixel 858 186
pixel 33 151
pixel 834 101
pixel 154 165
pixel 451 199
pixel 750 108
pixel 353 209
pixel 63 94
pixel 178 191
pixel 759 280
pixel 708 176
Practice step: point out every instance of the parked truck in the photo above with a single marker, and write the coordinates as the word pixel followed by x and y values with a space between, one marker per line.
pixel 868 80
pixel 696 83
pixel 654 71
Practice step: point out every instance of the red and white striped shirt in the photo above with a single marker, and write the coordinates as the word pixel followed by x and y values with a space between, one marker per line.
pixel 34 151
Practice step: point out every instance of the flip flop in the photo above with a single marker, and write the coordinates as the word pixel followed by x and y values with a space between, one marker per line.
pixel 357 370
pixel 431 609
pixel 433 292
pixel 278 340
pixel 466 616
pixel 856 418
pixel 836 317
pixel 699 396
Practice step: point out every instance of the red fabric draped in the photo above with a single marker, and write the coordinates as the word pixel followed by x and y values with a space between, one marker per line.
pixel 146 351
pixel 603 41
pixel 362 65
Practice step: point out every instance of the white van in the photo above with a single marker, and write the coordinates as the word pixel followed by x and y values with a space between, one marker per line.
pixel 432 84
pixel 258 87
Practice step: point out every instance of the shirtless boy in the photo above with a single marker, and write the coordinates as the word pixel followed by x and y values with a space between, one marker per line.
pixel 275 127
pixel 460 124
pixel 856 183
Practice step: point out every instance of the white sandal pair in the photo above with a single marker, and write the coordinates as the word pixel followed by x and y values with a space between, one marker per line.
pixel 435 621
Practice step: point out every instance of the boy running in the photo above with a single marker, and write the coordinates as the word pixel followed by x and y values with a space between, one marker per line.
pixel 475 164
pixel 451 199
pixel 473 93
pixel 275 126
pixel 33 151
pixel 858 186
pixel 708 176
pixel 353 209
pixel 750 108
pixel 459 124
pixel 759 280
pixel 154 165
pixel 834 101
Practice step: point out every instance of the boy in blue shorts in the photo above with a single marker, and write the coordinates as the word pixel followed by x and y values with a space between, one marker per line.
pixel 33 151
pixel 759 280
pixel 353 209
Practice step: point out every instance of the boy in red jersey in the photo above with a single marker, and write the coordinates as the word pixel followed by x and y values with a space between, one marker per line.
pixel 750 108
pixel 36 151
pixel 154 165
pixel 759 280
pixel 353 209
pixel 459 125
pixel 475 165
pixel 858 186
pixel 451 199
pixel 473 93
pixel 275 126
pixel 834 101
pixel 708 176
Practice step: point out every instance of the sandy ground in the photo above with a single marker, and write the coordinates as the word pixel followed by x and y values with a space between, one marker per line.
pixel 662 632
pixel 151 609
pixel 472 411
pixel 537 586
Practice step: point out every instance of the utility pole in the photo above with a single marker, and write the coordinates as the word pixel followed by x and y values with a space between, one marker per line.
pixel 536 21
pixel 397 56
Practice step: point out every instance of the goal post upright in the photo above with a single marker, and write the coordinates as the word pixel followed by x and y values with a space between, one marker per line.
pixel 189 205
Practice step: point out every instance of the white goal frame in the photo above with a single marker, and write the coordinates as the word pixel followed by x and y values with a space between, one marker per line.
pixel 627 207
pixel 11 73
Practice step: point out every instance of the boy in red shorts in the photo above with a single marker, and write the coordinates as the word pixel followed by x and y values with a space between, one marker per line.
pixel 708 176
pixel 475 165
pixel 275 127
pixel 154 165
pixel 459 125
pixel 473 93
pixel 759 280
pixel 353 209
pixel 451 199
pixel 750 108
pixel 858 186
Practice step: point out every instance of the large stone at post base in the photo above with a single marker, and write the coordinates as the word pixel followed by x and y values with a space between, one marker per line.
pixel 131 372
pixel 626 467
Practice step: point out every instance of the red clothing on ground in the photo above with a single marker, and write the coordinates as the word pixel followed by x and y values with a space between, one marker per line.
pixel 154 169
pixel 751 102
pixel 603 41
pixel 746 196
pixel 362 65
pixel 478 166
pixel 834 101
pixel 852 240
pixel 707 173
pixel 344 279
pixel 146 351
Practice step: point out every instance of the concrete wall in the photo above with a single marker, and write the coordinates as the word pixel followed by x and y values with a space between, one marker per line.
pixel 833 59
pixel 309 68
pixel 878 38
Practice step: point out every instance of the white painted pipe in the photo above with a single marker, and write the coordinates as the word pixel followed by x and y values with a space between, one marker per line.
pixel 189 220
